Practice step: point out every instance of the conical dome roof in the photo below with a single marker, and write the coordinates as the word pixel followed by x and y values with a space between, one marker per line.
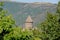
pixel 29 19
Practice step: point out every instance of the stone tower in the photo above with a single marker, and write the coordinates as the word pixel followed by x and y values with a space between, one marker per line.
pixel 29 23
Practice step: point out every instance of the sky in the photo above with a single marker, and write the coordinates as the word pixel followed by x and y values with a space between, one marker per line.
pixel 29 1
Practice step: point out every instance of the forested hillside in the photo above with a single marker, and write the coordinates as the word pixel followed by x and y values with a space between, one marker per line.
pixel 37 10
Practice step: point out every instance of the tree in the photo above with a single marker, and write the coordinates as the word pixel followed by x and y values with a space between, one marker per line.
pixel 1 4
pixel 6 22
pixel 18 34
pixel 58 7
pixel 37 34
pixel 58 11
pixel 50 28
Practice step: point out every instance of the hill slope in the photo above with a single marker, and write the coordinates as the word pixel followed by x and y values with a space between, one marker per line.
pixel 37 11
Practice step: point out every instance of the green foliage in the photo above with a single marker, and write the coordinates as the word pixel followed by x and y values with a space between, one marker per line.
pixel 1 3
pixel 6 23
pixel 50 28
pixel 58 11
pixel 37 34
pixel 58 7
pixel 18 34
pixel 13 35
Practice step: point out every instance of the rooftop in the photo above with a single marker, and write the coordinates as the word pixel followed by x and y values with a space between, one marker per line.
pixel 29 19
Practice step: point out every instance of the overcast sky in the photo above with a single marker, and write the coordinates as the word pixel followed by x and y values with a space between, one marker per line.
pixel 51 1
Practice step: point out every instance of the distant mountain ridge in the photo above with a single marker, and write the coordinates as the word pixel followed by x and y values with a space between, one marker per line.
pixel 37 11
